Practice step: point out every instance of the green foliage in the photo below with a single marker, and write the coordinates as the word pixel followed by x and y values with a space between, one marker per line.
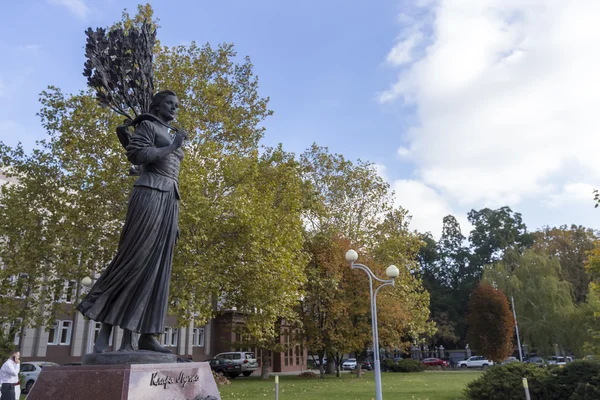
pixel 349 205
pixel 495 231
pixel 571 246
pixel 240 218
pixel 7 347
pixel 543 300
pixel 406 365
pixel 491 323
pixel 502 382
pixel 575 381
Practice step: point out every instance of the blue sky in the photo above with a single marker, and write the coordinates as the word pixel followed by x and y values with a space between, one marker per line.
pixel 461 104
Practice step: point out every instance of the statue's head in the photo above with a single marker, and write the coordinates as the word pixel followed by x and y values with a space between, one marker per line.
pixel 165 105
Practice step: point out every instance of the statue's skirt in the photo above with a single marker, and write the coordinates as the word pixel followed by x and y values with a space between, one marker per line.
pixel 133 291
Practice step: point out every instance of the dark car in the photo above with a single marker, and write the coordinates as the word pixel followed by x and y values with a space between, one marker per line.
pixel 225 367
pixel 367 365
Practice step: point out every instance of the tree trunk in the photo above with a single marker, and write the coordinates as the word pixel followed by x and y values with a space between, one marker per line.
pixel 360 357
pixel 330 367
pixel 338 365
pixel 321 366
pixel 264 368
pixel 358 369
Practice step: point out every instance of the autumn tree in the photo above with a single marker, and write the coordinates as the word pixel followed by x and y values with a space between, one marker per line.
pixel 491 323
pixel 349 205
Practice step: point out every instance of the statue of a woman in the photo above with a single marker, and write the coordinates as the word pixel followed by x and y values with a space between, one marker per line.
pixel 133 291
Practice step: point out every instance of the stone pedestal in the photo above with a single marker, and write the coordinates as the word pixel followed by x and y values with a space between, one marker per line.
pixel 178 381
pixel 128 357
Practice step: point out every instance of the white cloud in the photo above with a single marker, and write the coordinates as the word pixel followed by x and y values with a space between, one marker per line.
pixel 576 192
pixel 381 171
pixel 507 93
pixel 401 53
pixel 426 207
pixel 77 7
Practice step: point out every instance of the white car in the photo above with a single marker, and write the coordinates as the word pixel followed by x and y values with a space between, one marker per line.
pixel 475 362
pixel 558 360
pixel 244 358
pixel 31 370
pixel 349 364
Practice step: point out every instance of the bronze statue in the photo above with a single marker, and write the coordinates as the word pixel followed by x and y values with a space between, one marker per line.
pixel 133 291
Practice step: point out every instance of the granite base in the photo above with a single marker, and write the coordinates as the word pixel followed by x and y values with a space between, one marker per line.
pixel 128 357
pixel 180 381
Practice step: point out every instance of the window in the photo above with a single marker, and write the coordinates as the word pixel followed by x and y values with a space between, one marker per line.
pixel 65 332
pixel 286 342
pixel 198 337
pixel 60 333
pixel 93 335
pixel 70 292
pixel 13 330
pixel 169 338
pixel 27 367
pixel 53 333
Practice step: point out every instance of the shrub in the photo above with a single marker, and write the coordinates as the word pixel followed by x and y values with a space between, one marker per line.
pixel 408 366
pixel 307 374
pixel 578 380
pixel 388 364
pixel 503 382
pixel 220 379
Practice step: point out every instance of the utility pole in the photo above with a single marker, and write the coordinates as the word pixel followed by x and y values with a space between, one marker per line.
pixel 512 299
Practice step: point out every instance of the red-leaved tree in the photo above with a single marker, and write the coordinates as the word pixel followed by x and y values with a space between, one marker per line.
pixel 491 323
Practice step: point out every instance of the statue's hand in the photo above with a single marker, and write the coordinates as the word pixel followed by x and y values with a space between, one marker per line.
pixel 180 136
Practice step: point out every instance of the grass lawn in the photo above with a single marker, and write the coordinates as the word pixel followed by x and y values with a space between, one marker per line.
pixel 442 385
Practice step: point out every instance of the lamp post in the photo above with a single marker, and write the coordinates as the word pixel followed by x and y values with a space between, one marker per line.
pixel 392 272
pixel 512 299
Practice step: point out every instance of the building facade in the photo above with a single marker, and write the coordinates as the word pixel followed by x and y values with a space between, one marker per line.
pixel 73 336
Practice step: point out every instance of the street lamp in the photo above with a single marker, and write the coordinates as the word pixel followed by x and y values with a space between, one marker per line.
pixel 392 272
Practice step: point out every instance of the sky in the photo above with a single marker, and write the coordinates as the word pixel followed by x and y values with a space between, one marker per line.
pixel 461 104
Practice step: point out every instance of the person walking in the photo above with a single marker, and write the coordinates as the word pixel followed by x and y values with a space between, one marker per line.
pixel 9 376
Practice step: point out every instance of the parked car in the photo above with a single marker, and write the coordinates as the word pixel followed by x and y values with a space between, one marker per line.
pixel 349 364
pixel 245 359
pixel 475 362
pixel 539 361
pixel 226 367
pixel 31 370
pixel 559 360
pixel 367 365
pixel 434 362
pixel 509 360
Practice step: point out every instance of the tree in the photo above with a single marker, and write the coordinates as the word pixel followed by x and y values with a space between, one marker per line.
pixel 349 205
pixel 448 278
pixel 454 256
pixel 344 197
pixel 543 300
pixel 571 246
pixel 241 205
pixel 491 323
pixel 495 231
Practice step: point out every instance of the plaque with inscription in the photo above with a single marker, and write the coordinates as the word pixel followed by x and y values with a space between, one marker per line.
pixel 176 381
pixel 184 381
